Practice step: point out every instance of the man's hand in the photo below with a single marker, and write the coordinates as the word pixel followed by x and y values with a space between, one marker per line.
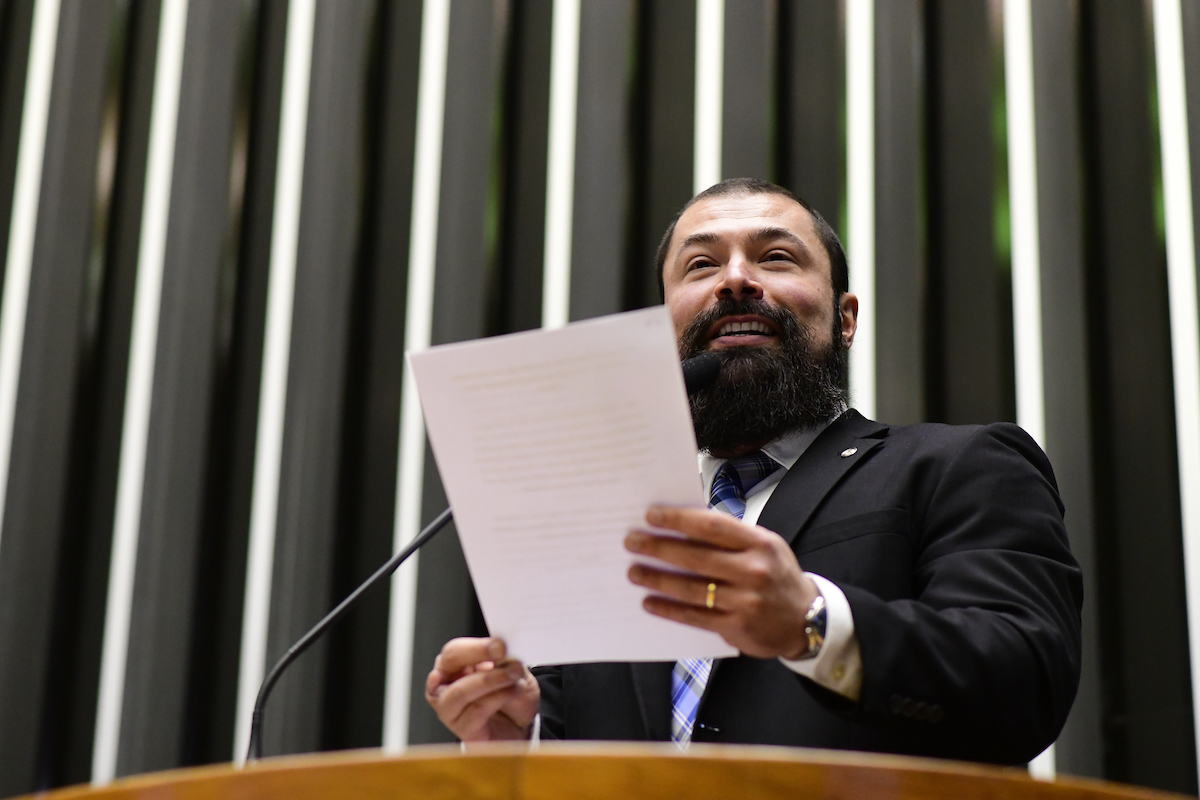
pixel 479 695
pixel 761 594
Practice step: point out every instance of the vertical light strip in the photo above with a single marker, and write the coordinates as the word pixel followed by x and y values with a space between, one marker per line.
pixel 560 166
pixel 1026 253
pixel 422 256
pixel 1023 204
pixel 710 85
pixel 1181 282
pixel 135 427
pixel 860 193
pixel 22 228
pixel 268 449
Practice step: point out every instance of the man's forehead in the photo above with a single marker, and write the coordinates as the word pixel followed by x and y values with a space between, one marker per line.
pixel 742 214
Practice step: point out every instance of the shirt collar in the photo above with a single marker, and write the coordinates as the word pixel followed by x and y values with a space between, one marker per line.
pixel 786 450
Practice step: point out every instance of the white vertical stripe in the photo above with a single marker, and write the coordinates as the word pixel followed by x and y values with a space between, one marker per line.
pixel 23 224
pixel 268 450
pixel 860 193
pixel 560 167
pixel 1181 281
pixel 427 176
pixel 710 85
pixel 1026 253
pixel 139 386
pixel 1023 204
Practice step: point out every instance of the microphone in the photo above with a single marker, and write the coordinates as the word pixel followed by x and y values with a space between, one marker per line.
pixel 255 750
pixel 700 372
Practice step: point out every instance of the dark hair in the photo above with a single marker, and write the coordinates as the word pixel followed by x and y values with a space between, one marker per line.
pixel 839 273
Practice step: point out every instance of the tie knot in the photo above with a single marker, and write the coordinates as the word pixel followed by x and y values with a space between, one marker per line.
pixel 736 477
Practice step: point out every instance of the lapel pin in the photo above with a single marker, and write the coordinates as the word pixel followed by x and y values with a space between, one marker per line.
pixel 849 451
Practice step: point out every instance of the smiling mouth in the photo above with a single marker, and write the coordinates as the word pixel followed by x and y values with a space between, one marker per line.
pixel 753 328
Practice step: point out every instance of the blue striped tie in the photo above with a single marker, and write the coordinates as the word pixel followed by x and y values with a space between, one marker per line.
pixel 690 676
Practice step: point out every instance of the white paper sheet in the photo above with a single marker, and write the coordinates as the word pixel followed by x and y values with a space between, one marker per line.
pixel 551 446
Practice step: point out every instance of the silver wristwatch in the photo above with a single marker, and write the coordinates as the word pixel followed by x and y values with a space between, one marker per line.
pixel 814 628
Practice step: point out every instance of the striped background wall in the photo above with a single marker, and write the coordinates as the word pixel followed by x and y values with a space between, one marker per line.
pixel 223 221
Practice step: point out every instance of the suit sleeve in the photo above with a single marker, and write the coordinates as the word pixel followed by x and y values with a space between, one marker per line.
pixel 550 683
pixel 983 662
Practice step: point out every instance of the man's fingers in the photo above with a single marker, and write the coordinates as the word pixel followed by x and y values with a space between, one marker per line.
pixel 450 699
pixel 691 556
pixel 689 589
pixel 476 716
pixel 458 654
pixel 705 525
pixel 438 678
pixel 687 614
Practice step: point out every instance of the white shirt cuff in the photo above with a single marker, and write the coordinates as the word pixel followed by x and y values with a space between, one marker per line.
pixel 838 667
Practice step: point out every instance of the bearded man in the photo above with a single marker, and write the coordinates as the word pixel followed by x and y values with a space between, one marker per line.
pixel 895 589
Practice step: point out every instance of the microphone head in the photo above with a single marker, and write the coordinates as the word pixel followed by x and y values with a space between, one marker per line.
pixel 700 372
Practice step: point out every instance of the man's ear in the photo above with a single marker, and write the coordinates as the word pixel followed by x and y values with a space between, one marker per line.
pixel 848 308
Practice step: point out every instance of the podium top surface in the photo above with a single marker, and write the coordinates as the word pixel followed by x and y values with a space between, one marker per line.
pixel 601 771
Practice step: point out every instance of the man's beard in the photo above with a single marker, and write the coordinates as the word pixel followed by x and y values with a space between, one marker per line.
pixel 764 392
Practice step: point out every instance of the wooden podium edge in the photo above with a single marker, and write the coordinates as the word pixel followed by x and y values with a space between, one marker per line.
pixel 598 770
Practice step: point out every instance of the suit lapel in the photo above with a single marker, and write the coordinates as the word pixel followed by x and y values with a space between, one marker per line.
pixel 823 464
pixel 790 506
pixel 652 684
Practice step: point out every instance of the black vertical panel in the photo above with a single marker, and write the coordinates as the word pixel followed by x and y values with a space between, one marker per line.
pixel 233 413
pixel 169 571
pixel 100 399
pixel 811 137
pixel 749 94
pixel 328 255
pixel 970 367
pixel 1065 344
pixel 358 650
pixel 522 231
pixel 600 224
pixel 16 19
pixel 34 536
pixel 664 135
pixel 1148 722
pixel 445 598
pixel 900 272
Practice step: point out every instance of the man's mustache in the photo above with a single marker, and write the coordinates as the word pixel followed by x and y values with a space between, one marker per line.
pixel 695 337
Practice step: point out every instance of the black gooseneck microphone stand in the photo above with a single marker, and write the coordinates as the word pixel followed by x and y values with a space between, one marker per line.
pixel 264 691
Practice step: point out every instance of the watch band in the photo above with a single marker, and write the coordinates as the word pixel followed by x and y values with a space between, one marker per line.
pixel 814 627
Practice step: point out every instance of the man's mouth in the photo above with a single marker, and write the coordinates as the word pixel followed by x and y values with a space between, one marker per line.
pixel 742 330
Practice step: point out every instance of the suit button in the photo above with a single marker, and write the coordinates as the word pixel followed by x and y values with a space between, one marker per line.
pixel 909 708
pixel 935 714
pixel 922 713
pixel 896 703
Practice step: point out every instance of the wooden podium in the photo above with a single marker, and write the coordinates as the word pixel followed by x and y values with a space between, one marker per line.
pixel 603 772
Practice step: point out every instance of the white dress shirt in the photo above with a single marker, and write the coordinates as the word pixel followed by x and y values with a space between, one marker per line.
pixel 838 667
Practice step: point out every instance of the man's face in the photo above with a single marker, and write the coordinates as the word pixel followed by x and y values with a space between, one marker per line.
pixel 753 246
pixel 746 276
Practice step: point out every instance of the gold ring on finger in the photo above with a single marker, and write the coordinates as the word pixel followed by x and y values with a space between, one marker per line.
pixel 710 599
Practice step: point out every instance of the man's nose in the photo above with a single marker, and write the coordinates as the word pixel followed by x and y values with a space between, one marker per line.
pixel 739 281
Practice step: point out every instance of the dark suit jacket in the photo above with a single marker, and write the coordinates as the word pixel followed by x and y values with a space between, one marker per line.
pixel 949 544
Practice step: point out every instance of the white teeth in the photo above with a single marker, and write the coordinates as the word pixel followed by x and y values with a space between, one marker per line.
pixel 743 327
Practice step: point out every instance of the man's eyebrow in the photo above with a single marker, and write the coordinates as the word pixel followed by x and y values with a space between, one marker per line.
pixel 759 236
pixel 763 235
pixel 699 238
